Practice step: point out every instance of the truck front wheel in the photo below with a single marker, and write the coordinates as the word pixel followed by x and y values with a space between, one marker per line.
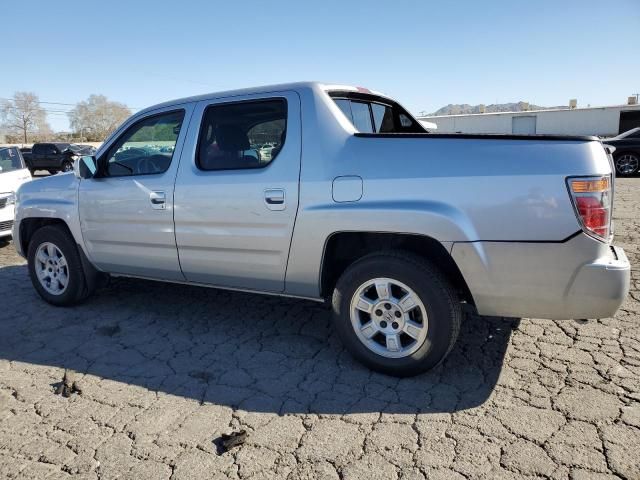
pixel 396 313
pixel 55 267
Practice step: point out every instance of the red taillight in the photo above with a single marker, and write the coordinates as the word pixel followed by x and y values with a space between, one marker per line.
pixel 594 215
pixel 592 198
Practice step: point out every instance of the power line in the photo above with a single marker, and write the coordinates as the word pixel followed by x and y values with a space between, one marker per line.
pixel 65 104
pixel 53 111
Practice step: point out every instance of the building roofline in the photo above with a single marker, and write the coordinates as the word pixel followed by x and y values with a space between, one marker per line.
pixel 525 112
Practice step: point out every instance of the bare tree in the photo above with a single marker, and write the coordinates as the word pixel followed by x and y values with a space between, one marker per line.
pixel 23 116
pixel 97 117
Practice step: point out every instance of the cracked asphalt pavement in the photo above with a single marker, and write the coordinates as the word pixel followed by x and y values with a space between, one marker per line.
pixel 164 370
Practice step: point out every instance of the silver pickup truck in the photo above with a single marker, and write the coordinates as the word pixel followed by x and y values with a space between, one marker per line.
pixel 330 192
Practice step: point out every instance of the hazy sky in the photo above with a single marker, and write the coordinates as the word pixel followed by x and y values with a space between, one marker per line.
pixel 424 53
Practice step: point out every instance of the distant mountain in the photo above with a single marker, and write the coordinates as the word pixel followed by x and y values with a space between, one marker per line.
pixel 465 108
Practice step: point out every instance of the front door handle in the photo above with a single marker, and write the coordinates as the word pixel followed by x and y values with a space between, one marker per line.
pixel 158 200
pixel 275 198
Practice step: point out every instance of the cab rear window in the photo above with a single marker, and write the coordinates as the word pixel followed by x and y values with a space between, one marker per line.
pixel 372 114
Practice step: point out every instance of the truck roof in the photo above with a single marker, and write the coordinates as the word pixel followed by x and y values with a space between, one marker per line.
pixel 328 87
pixel 264 89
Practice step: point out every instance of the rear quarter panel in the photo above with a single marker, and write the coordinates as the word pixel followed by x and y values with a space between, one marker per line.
pixel 453 190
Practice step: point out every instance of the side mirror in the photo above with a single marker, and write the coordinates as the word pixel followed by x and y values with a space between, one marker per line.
pixel 85 167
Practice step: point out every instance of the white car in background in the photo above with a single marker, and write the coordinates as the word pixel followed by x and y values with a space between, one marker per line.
pixel 13 173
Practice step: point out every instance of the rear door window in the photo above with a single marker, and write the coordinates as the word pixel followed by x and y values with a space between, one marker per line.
pixel 242 135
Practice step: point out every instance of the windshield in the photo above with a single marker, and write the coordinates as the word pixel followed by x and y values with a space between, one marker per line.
pixel 633 133
pixel 10 160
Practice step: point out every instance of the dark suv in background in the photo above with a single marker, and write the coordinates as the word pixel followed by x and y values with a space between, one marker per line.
pixel 627 154
pixel 55 157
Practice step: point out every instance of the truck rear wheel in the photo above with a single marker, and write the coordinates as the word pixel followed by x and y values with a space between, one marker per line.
pixel 55 267
pixel 396 313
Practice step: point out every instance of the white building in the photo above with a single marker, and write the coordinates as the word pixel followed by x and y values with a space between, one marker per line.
pixel 602 121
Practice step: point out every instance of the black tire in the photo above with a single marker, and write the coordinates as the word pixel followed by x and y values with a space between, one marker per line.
pixel 66 166
pixel 77 288
pixel 441 302
pixel 628 173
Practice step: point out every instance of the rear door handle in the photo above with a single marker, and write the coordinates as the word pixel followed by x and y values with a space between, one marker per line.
pixel 158 200
pixel 275 198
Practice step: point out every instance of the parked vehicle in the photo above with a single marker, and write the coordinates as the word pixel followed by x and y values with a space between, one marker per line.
pixel 627 154
pixel 56 157
pixel 13 173
pixel 397 227
pixel 80 149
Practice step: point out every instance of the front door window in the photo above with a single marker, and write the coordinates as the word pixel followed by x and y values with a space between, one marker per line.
pixel 146 147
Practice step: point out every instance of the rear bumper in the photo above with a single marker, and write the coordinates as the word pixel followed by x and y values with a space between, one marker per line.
pixel 600 287
pixel 576 279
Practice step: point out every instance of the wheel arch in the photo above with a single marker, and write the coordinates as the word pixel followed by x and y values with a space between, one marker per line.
pixel 343 248
pixel 29 225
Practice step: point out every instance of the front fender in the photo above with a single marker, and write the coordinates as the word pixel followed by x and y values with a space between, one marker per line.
pixel 51 198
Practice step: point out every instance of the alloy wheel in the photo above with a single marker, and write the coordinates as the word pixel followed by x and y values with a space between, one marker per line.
pixel 627 164
pixel 51 268
pixel 389 318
